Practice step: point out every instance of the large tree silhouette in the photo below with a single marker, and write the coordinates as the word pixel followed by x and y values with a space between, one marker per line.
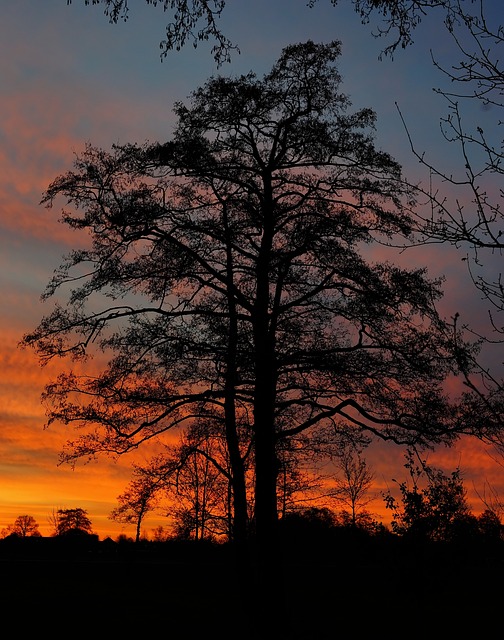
pixel 230 280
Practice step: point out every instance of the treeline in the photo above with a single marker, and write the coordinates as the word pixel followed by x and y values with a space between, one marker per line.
pixel 431 507
pixel 65 523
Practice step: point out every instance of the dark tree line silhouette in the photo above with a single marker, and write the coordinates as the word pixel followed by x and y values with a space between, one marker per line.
pixel 435 550
pixel 431 506
pixel 64 522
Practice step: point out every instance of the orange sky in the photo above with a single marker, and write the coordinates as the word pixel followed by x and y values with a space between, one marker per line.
pixel 68 77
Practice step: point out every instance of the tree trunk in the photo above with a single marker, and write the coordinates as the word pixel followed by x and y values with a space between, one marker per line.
pixel 267 559
pixel 268 563
pixel 238 482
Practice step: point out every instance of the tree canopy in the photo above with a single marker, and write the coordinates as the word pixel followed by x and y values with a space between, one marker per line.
pixel 23 527
pixel 439 511
pixel 69 522
pixel 230 280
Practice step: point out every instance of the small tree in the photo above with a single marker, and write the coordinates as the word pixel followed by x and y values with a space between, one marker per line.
pixel 23 527
pixel 189 482
pixel 437 512
pixel 490 526
pixel 200 498
pixel 137 501
pixel 490 520
pixel 297 487
pixel 353 484
pixel 160 534
pixel 72 522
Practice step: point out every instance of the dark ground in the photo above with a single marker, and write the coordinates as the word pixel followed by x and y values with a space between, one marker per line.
pixel 171 591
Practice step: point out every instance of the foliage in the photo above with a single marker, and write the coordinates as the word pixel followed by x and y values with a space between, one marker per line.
pixel 490 525
pixel 439 511
pixel 160 534
pixel 193 22
pixel 201 502
pixel 197 21
pixel 361 520
pixel 23 527
pixel 70 522
pixel 307 525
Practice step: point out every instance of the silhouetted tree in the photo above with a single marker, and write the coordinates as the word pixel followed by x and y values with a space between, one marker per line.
pixel 201 500
pixel 139 499
pixel 353 483
pixel 437 512
pixel 122 538
pixel 227 280
pixel 310 526
pixel 193 22
pixel 297 486
pixel 23 527
pixel 71 522
pixel 492 501
pixel 189 482
pixel 160 534
pixel 490 526
pixel 363 522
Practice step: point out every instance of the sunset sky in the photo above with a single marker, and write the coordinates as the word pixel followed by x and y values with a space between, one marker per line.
pixel 69 77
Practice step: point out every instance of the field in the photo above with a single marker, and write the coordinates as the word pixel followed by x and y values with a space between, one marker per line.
pixel 189 591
